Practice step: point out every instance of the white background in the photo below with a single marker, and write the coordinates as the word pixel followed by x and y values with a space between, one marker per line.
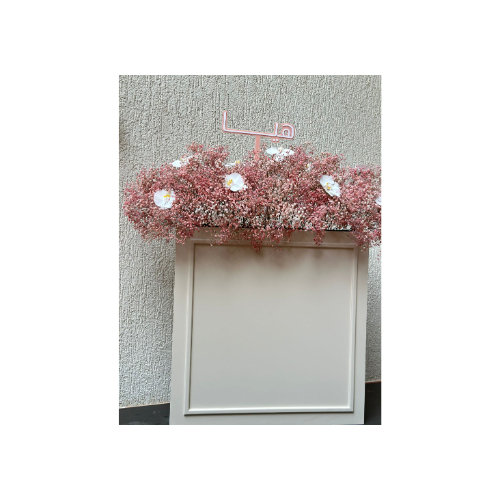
pixel 61 437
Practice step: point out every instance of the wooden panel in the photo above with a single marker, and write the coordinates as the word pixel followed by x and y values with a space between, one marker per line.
pixel 268 336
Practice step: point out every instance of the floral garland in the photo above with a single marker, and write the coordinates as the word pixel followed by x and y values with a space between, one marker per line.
pixel 259 200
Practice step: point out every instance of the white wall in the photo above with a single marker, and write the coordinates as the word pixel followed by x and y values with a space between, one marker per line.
pixel 159 116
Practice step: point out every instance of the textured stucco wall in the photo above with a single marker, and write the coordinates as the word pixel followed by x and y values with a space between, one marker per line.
pixel 159 116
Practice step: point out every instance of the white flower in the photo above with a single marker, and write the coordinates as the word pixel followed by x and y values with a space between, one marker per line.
pixel 164 199
pixel 285 152
pixel 279 153
pixel 272 151
pixel 235 164
pixel 378 201
pixel 235 182
pixel 308 167
pixel 329 185
pixel 181 162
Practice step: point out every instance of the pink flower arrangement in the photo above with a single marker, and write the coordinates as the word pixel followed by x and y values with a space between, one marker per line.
pixel 267 200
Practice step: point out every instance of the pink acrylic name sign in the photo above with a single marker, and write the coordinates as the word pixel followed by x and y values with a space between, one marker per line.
pixel 287 132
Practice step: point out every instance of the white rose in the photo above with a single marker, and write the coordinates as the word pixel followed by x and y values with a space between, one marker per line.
pixel 235 182
pixel 164 199
pixel 181 162
pixel 329 185
pixel 272 151
pixel 282 153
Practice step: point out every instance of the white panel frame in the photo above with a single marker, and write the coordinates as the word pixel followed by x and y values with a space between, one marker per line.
pixel 181 413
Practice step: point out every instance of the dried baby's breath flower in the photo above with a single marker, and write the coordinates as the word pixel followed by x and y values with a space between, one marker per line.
pixel 271 197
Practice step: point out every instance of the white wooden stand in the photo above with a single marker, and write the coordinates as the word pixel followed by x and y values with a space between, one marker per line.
pixel 269 337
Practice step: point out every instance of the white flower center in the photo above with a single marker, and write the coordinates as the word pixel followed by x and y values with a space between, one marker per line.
pixel 166 195
pixel 229 182
pixel 328 187
pixel 237 162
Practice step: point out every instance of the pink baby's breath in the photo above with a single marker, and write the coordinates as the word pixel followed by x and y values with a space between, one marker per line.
pixel 280 197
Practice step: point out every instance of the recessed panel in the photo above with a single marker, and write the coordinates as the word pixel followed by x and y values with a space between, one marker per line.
pixel 272 329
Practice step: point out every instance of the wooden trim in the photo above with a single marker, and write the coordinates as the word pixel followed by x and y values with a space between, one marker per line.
pixel 299 409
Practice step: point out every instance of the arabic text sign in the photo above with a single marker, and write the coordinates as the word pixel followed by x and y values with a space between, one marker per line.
pixel 287 132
